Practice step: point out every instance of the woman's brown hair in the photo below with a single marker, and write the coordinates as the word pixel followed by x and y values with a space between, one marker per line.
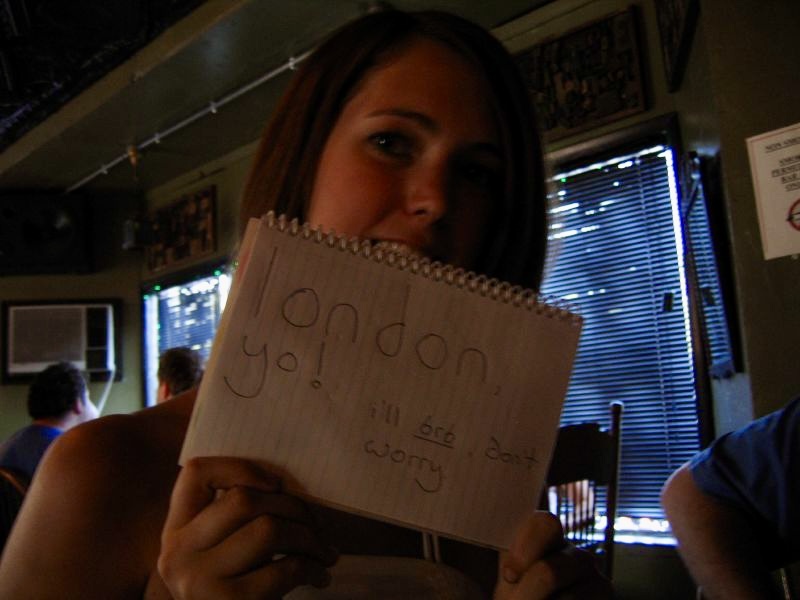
pixel 284 170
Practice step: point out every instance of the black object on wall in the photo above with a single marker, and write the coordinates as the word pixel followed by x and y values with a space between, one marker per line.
pixel 44 233
pixel 51 51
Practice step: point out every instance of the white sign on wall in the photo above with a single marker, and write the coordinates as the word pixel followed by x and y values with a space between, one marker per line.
pixel 775 166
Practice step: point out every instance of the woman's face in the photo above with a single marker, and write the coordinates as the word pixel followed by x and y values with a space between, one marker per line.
pixel 414 158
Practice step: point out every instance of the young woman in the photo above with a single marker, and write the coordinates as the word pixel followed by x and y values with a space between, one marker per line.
pixel 404 129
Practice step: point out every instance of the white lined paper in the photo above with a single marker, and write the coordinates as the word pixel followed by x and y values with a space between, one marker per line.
pixel 425 403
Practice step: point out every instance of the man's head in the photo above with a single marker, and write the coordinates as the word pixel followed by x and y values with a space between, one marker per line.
pixel 179 369
pixel 59 396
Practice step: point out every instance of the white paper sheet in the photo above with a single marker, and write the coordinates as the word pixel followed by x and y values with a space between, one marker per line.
pixel 383 391
pixel 775 166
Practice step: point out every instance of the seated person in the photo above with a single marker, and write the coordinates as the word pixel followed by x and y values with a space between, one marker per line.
pixel 179 369
pixel 58 399
pixel 735 507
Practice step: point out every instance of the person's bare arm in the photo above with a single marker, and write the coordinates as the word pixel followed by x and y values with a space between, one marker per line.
pixel 717 542
pixel 90 524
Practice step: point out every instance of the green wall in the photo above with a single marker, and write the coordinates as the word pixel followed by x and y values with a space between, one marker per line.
pixel 120 274
pixel 741 82
pixel 752 53
pixel 115 275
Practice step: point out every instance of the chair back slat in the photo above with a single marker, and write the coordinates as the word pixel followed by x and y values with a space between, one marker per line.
pixel 13 487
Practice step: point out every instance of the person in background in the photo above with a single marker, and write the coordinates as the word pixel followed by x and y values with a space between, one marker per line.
pixel 735 507
pixel 58 399
pixel 411 130
pixel 179 369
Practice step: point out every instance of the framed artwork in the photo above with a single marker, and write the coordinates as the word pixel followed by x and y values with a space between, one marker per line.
pixel 587 77
pixel 182 231
pixel 677 20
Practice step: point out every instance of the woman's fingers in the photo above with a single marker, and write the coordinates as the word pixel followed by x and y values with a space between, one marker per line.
pixel 256 544
pixel 561 573
pixel 231 533
pixel 538 536
pixel 201 478
pixel 541 564
pixel 237 506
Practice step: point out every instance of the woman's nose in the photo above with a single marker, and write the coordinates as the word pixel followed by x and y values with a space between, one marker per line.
pixel 426 194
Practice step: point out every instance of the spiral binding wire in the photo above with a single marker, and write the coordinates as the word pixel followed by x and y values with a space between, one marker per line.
pixel 458 277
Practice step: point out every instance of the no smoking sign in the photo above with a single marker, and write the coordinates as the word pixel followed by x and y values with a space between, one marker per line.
pixel 794 215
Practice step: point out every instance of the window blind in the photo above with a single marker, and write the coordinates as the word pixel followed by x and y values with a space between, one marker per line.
pixel 185 314
pixel 712 303
pixel 616 255
pixel 188 315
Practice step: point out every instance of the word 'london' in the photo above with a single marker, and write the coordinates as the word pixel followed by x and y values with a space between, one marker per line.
pixel 301 309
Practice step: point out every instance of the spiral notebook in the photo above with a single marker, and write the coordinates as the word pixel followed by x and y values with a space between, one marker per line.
pixel 386 385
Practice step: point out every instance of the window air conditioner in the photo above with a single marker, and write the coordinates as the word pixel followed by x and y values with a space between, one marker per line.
pixel 42 334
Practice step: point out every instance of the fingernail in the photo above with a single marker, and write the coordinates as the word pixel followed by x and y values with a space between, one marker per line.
pixel 510 575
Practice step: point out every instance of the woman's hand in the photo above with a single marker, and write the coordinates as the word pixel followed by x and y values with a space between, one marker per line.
pixel 541 564
pixel 231 533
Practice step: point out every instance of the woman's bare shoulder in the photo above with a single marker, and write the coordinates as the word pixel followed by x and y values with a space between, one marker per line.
pixel 101 495
pixel 115 447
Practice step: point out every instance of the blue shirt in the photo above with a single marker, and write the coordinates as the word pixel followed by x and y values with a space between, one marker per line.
pixel 23 450
pixel 757 471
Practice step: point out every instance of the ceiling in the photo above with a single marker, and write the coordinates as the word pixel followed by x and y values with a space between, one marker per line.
pixel 50 51
pixel 164 93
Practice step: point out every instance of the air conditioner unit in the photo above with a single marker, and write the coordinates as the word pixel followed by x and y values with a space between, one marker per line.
pixel 42 334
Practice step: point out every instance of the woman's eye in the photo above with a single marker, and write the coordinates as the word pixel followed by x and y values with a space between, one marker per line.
pixel 481 175
pixel 392 144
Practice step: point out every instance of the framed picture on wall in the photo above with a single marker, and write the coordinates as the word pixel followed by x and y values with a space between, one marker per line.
pixel 182 231
pixel 587 77
pixel 677 20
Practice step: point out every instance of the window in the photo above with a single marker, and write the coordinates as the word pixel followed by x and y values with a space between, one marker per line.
pixel 617 256
pixel 700 229
pixel 183 314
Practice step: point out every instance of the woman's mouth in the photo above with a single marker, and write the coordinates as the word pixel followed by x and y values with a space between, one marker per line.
pixel 397 247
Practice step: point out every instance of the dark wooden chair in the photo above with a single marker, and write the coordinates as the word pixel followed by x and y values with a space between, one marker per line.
pixel 586 461
pixel 13 487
